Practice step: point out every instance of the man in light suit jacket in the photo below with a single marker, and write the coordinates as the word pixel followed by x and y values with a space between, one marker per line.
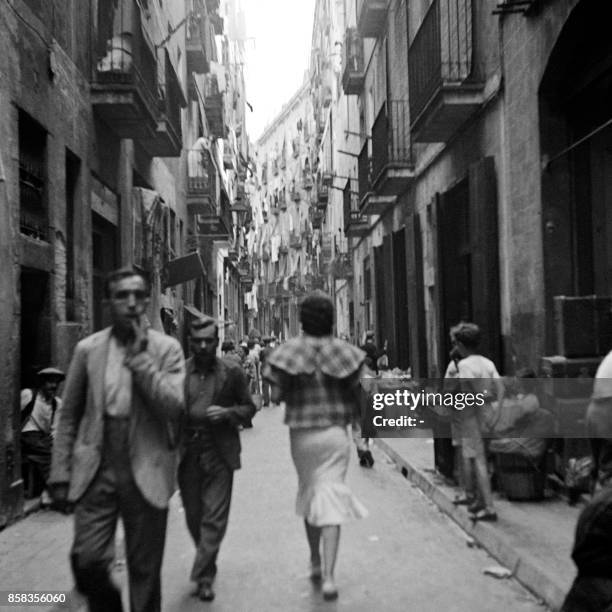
pixel 217 403
pixel 114 452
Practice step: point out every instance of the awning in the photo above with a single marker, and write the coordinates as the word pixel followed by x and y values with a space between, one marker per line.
pixel 183 269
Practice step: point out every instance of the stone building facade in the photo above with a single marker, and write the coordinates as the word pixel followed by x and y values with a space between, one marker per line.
pixel 99 111
pixel 286 240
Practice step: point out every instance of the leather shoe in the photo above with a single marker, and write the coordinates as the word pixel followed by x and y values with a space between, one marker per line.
pixel 205 592
pixel 329 590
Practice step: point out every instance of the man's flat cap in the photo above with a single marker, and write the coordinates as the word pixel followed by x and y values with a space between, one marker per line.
pixel 51 373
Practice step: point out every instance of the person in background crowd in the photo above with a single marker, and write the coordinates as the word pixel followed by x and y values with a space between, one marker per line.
pixel 229 352
pixel 592 554
pixel 114 453
pixel 371 351
pixel 251 368
pixel 382 363
pixel 477 374
pixel 362 442
pixel 38 409
pixel 317 376
pixel 243 351
pixel 218 401
pixel 265 353
pixel 599 424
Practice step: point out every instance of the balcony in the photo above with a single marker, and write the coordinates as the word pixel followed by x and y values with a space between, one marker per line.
pixel 229 156
pixel 353 77
pixel 124 80
pixel 216 225
pixel 445 88
pixel 202 183
pixel 200 41
pixel 392 159
pixel 316 218
pixel 168 139
pixel 214 106
pixel 307 182
pixel 355 224
pixel 364 177
pixel 322 196
pixel 342 266
pixel 207 203
pixel 371 17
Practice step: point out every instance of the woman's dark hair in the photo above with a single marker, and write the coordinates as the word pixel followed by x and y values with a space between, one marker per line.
pixel 317 314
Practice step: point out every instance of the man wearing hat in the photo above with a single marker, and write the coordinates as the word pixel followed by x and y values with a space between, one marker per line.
pixel 38 408
pixel 218 402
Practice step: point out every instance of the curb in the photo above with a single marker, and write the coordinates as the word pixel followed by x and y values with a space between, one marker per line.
pixel 528 570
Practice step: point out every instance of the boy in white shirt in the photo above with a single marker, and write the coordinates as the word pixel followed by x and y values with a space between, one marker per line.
pixel 478 375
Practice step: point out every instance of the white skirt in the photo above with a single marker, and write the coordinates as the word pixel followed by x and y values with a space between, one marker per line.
pixel 321 458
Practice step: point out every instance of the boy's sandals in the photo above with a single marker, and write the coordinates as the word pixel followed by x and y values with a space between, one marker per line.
pixel 484 515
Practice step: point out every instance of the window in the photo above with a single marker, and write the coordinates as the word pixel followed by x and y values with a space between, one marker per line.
pixel 33 216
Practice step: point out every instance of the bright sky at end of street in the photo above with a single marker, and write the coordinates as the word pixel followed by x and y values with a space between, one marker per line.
pixel 277 57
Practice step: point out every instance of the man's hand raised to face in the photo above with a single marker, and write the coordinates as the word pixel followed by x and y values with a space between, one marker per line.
pixel 139 341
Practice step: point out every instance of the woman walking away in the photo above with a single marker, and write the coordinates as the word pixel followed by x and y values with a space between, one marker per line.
pixel 317 376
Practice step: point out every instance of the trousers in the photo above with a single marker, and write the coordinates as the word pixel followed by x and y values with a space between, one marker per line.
pixel 36 448
pixel 113 494
pixel 205 482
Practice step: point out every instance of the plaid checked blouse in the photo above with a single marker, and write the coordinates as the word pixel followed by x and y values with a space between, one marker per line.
pixel 318 380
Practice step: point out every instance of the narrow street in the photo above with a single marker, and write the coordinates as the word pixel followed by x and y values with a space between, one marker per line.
pixel 405 556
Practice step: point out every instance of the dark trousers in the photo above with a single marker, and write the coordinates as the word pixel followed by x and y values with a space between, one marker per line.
pixel 36 448
pixel 205 481
pixel 114 493
pixel 265 390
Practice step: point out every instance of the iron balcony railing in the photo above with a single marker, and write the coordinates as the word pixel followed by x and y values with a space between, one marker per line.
pixel 126 56
pixel 354 66
pixel 441 52
pixel 171 99
pixel 391 143
pixel 350 205
pixel 202 177
pixel 353 51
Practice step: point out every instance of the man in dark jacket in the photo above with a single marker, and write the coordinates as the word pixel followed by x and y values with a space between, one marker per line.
pixel 218 402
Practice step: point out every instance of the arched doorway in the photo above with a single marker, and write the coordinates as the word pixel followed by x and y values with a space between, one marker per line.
pixel 575 105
